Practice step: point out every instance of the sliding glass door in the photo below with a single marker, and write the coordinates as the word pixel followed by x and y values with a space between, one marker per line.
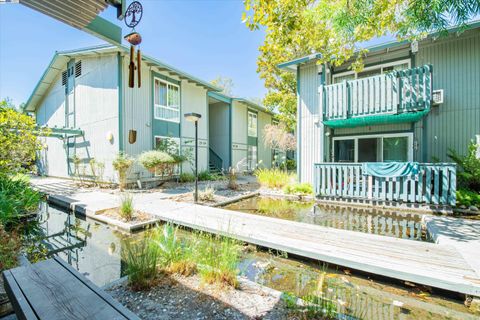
pixel 373 148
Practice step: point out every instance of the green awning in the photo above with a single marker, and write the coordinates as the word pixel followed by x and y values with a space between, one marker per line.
pixel 376 119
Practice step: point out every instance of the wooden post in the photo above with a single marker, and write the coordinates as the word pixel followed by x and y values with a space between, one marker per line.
pixel 370 187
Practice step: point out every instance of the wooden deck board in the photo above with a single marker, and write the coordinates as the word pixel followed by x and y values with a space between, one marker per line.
pixel 52 290
pixel 431 264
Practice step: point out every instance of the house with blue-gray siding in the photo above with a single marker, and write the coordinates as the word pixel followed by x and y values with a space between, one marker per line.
pixel 84 95
pixel 413 101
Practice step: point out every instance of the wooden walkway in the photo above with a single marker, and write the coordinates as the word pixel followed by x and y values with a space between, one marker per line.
pixel 52 289
pixel 441 265
pixel 436 265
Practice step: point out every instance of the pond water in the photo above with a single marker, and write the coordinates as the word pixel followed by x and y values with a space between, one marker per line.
pixel 382 222
pixel 95 249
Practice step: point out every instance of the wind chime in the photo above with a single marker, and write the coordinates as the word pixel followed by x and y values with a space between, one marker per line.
pixel 132 16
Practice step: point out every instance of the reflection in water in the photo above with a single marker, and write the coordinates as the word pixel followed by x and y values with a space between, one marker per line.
pixel 89 246
pixel 95 250
pixel 382 222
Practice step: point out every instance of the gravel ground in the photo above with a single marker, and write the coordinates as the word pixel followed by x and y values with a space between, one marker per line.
pixel 178 297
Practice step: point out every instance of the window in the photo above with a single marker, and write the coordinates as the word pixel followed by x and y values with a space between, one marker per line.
pixel 251 158
pixel 170 145
pixel 166 101
pixel 344 150
pixel 371 71
pixel 252 124
pixel 374 148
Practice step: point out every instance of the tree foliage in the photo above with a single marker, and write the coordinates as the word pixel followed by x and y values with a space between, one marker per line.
pixel 278 137
pixel 224 83
pixel 18 140
pixel 334 29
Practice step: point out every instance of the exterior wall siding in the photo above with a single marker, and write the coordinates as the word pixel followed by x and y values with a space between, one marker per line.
pixel 137 114
pixel 239 135
pixel 51 112
pixel 194 99
pixel 456 70
pixel 311 129
pixel 264 152
pixel 95 99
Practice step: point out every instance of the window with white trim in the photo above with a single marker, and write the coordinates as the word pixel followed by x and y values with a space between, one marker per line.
pixel 371 71
pixel 166 101
pixel 374 148
pixel 252 124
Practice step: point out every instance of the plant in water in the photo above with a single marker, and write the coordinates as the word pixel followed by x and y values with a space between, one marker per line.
pixel 207 194
pixel 141 258
pixel 122 164
pixel 301 189
pixel 217 258
pixel 174 257
pixel 281 208
pixel 126 209
pixel 273 178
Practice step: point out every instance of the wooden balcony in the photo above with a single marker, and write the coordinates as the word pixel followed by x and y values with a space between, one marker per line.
pixel 393 93
pixel 435 184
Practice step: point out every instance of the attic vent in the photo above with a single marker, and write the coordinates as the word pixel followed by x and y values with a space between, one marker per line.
pixel 64 78
pixel 78 69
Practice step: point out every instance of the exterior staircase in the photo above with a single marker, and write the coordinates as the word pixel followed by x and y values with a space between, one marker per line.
pixel 215 163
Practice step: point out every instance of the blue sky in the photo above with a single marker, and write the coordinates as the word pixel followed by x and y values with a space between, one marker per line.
pixel 203 38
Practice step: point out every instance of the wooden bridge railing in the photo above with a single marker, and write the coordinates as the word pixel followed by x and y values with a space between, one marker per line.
pixel 434 184
pixel 392 93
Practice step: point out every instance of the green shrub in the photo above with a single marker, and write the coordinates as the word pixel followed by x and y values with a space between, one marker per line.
pixel 186 177
pixel 206 176
pixel 468 198
pixel 152 159
pixel 469 167
pixel 16 198
pixel 289 164
pixel 157 161
pixel 301 189
pixel 122 164
pixel 126 209
pixel 141 258
pixel 273 178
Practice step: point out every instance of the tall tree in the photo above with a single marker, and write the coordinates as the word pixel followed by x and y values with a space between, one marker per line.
pixel 334 28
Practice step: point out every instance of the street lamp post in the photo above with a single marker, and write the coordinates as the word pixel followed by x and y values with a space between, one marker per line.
pixel 194 117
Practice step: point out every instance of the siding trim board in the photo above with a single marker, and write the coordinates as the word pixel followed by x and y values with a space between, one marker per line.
pixel 121 147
